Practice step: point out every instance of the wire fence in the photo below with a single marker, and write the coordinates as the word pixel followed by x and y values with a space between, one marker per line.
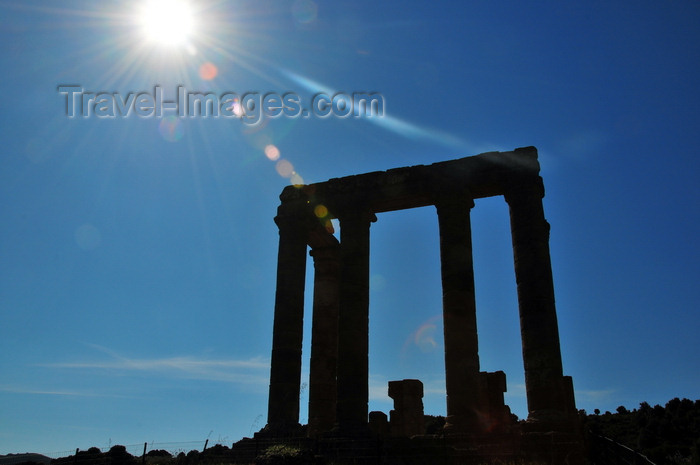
pixel 138 450
pixel 433 450
pixel 337 450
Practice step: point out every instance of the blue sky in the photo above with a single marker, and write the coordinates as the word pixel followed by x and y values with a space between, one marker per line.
pixel 139 253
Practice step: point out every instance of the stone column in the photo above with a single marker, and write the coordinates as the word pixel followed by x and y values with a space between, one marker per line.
pixel 324 340
pixel 285 372
pixel 353 337
pixel 459 315
pixel 548 398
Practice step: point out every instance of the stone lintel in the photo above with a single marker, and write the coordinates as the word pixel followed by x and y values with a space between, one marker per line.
pixel 485 175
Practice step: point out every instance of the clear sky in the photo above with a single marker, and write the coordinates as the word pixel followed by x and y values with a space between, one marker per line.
pixel 138 253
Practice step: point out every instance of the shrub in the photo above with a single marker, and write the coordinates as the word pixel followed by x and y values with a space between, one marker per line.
pixel 281 454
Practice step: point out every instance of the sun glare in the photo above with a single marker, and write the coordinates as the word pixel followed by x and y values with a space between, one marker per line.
pixel 167 22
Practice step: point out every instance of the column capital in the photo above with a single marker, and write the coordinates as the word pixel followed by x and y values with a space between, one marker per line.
pixel 356 215
pixel 297 219
pixel 524 191
pixel 451 202
pixel 442 197
pixel 327 252
pixel 292 217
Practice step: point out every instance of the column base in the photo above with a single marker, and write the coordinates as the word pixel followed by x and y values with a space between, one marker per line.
pixel 544 421
pixel 554 447
pixel 282 430
pixel 350 431
pixel 462 425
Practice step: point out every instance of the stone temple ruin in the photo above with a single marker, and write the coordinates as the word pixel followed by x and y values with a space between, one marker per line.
pixel 339 365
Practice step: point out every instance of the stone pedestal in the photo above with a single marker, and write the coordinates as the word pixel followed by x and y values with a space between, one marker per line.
pixel 497 414
pixel 379 424
pixel 407 418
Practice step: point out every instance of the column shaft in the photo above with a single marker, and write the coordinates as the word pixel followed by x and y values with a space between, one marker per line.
pixel 545 385
pixel 324 340
pixel 285 371
pixel 353 338
pixel 459 316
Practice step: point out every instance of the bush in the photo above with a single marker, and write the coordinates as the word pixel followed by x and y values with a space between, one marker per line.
pixel 281 454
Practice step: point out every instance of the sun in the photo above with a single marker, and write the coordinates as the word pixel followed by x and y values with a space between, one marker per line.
pixel 166 22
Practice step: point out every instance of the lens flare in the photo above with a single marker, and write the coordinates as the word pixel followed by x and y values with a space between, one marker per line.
pixel 329 226
pixel 304 11
pixel 321 211
pixel 296 180
pixel 284 168
pixel 424 337
pixel 208 71
pixel 88 237
pixel 170 128
pixel 236 108
pixel 377 282
pixel 272 152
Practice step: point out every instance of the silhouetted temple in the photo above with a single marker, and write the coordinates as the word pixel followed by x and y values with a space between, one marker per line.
pixel 339 368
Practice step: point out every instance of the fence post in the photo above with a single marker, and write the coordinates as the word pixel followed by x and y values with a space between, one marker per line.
pixel 143 457
pixel 205 444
